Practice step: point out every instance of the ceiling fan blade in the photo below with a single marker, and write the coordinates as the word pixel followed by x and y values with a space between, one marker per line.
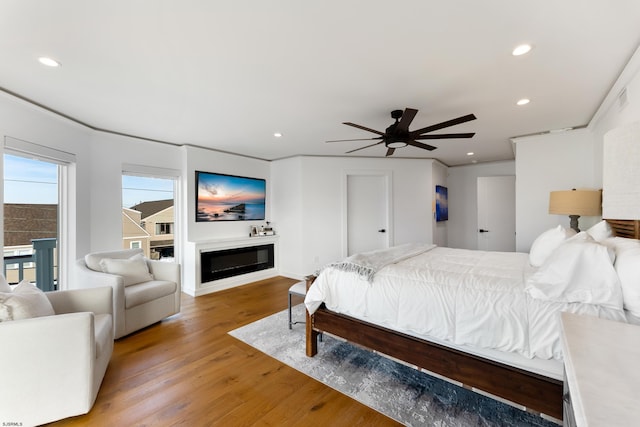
pixel 445 136
pixel 421 145
pixel 452 122
pixel 390 151
pixel 358 139
pixel 363 128
pixel 406 119
pixel 362 148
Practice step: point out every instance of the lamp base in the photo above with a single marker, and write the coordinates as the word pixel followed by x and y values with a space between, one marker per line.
pixel 574 223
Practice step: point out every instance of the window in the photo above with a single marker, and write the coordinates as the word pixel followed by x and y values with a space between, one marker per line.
pixel 148 196
pixel 164 228
pixel 137 244
pixel 32 192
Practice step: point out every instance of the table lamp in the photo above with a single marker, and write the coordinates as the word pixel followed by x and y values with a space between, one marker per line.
pixel 576 203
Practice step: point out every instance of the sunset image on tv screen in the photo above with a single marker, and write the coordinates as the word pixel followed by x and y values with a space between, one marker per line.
pixel 229 197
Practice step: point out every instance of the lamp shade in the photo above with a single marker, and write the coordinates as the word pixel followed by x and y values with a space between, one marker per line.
pixel 576 202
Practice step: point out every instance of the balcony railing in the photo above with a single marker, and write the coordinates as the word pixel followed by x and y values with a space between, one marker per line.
pixel 43 258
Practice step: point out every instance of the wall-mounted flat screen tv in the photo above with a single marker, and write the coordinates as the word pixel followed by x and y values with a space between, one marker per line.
pixel 221 197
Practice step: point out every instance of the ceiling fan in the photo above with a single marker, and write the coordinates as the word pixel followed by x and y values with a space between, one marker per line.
pixel 398 134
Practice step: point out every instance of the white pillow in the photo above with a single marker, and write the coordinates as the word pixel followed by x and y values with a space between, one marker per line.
pixel 579 270
pixel 627 266
pixel 133 270
pixel 93 259
pixel 600 231
pixel 546 243
pixel 26 301
pixel 4 285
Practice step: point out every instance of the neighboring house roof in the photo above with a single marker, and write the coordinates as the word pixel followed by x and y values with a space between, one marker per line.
pixel 150 208
pixel 25 221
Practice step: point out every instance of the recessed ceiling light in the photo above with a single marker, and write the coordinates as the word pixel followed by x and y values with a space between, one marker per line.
pixel 277 134
pixel 49 62
pixel 523 101
pixel 470 153
pixel 521 50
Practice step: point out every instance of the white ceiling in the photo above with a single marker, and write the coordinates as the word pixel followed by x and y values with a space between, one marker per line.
pixel 228 74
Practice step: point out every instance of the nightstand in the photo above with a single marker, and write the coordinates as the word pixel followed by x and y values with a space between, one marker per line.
pixel 602 380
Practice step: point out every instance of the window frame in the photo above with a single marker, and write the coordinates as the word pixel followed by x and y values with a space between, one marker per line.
pixel 164 173
pixel 66 162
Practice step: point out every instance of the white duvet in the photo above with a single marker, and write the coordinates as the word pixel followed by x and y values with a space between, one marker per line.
pixel 466 297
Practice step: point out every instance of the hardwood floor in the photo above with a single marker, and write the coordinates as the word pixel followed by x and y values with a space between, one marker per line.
pixel 188 371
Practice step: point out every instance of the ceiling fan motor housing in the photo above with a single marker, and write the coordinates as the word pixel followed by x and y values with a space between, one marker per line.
pixel 396 114
pixel 395 138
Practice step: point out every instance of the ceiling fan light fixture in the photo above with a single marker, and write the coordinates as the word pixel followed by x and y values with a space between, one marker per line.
pixel 396 144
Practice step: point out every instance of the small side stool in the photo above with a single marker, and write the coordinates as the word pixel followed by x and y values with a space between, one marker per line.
pixel 298 289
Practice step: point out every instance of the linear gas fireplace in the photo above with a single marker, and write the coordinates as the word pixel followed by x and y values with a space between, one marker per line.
pixel 220 264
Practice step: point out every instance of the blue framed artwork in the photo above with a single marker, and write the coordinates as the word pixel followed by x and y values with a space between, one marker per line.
pixel 442 204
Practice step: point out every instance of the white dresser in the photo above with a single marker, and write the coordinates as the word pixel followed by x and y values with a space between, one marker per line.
pixel 602 372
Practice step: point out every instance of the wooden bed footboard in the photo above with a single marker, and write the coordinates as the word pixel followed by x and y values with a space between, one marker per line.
pixel 536 392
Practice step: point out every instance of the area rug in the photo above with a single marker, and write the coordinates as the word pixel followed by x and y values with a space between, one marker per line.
pixel 402 393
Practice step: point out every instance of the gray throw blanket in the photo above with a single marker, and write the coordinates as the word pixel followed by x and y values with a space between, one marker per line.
pixel 367 264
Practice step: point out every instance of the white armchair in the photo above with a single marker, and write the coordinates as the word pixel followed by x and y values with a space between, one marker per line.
pixel 52 366
pixel 140 298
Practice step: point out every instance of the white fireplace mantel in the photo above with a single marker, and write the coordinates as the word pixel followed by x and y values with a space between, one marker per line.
pixel 192 279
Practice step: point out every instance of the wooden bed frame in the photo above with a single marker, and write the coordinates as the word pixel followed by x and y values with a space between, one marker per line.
pixel 629 228
pixel 535 392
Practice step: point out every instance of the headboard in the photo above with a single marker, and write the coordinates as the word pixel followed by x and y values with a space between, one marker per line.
pixel 629 228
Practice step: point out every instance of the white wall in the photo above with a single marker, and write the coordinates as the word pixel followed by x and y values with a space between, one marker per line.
pixel 108 155
pixel 316 188
pixel 287 190
pixel 613 113
pixel 21 120
pixel 463 200
pixel 545 163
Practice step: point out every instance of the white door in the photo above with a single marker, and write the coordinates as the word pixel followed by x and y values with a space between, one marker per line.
pixel 497 213
pixel 367 213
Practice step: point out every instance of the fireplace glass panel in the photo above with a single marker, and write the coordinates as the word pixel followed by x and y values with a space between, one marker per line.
pixel 221 264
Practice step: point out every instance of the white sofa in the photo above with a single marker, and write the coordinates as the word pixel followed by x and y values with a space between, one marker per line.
pixel 52 366
pixel 138 301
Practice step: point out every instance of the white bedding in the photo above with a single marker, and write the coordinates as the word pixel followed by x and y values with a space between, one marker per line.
pixel 474 299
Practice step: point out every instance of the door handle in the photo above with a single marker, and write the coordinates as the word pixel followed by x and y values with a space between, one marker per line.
pixel 482 230
pixel 382 230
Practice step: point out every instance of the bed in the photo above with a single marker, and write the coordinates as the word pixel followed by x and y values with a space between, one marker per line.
pixel 449 333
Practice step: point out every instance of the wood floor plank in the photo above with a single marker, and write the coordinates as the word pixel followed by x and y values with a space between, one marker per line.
pixel 188 371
